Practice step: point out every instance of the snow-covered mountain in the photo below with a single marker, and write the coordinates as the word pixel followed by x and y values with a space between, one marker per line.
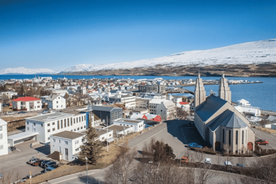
pixel 22 70
pixel 245 53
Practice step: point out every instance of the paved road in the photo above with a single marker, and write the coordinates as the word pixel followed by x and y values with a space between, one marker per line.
pixel 15 162
pixel 269 137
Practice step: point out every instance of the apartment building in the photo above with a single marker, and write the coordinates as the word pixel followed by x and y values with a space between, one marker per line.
pixel 27 104
pixel 53 123
pixel 3 138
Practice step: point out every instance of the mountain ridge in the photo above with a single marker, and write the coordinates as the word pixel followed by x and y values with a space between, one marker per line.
pixel 256 52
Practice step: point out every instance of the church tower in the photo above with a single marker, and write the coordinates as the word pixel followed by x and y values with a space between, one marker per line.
pixel 224 90
pixel 200 93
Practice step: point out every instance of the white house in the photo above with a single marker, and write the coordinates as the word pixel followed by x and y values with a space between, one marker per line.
pixel 3 138
pixel 9 94
pixel 120 130
pixel 67 143
pixel 138 125
pixel 53 123
pixel 245 107
pixel 27 104
pixel 56 102
pixel 105 134
pixel 166 110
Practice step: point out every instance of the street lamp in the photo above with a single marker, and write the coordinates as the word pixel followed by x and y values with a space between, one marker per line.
pixel 86 171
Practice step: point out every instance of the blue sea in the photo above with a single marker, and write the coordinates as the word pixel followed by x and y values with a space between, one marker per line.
pixel 261 95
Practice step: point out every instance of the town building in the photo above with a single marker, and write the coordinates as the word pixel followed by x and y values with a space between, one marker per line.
pixel 107 114
pixel 27 104
pixel 246 108
pixel 53 123
pixel 105 134
pixel 3 137
pixel 119 131
pixel 165 108
pixel 219 123
pixel 67 143
pixel 9 94
pixel 137 125
pixel 152 88
pixel 56 102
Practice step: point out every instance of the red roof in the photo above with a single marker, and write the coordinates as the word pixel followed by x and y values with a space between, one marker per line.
pixel 183 103
pixel 26 99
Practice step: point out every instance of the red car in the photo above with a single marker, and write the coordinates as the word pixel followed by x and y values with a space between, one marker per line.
pixel 261 141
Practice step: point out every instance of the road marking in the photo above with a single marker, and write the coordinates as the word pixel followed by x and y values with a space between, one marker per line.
pixel 184 135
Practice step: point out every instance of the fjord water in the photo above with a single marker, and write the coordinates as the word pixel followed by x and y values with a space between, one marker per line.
pixel 261 95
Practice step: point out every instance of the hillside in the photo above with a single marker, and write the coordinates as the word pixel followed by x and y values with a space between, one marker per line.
pixel 251 55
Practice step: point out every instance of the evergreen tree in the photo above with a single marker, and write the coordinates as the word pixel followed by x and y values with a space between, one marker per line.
pixel 162 152
pixel 91 147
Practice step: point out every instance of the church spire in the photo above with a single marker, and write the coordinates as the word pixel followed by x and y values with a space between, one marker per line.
pixel 224 90
pixel 200 93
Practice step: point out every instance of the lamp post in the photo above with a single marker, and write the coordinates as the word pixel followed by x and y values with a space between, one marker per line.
pixel 86 171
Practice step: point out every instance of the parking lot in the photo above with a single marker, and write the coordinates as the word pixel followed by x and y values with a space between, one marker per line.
pixel 15 163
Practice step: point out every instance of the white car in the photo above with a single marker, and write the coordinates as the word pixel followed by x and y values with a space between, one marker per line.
pixel 208 161
pixel 227 163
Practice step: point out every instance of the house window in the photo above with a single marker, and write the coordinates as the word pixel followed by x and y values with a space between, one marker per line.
pixel 77 149
pixel 61 123
pixel 71 122
pixel 54 129
pixel 237 134
pixel 64 123
pixel 58 125
pixel 78 128
pixel 102 138
pixel 34 130
pixel 53 123
pixel 77 142
pixel 68 121
pixel 243 137
pixel 49 130
pixel 49 124
pixel 74 120
pixel 109 135
pixel 82 118
pixel 27 123
pixel 54 140
pixel 27 128
pixel 59 141
pixel 79 119
pixel 34 124
pixel 229 137
pixel 41 125
pixel 66 142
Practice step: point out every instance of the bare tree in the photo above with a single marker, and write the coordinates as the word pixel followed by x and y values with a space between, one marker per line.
pixel 204 174
pixel 120 171
pixel 181 113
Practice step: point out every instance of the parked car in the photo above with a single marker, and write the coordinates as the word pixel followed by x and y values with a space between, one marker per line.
pixel 261 141
pixel 50 164
pixel 208 161
pixel 22 112
pixel 9 112
pixel 36 163
pixel 43 162
pixel 184 159
pixel 227 163
pixel 240 165
pixel 48 169
pixel 32 160
pixel 194 145
pixel 1 176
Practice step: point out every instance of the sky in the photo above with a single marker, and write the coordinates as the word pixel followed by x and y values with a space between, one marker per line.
pixel 58 34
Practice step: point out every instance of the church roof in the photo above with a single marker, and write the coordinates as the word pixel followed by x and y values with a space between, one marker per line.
pixel 209 107
pixel 228 119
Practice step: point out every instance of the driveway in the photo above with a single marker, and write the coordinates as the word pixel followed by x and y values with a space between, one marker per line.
pixel 15 163
pixel 269 137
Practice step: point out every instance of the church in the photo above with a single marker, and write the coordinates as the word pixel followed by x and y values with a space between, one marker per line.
pixel 219 123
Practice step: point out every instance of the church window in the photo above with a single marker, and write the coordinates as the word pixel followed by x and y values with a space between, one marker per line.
pixel 237 134
pixel 243 137
pixel 223 136
pixel 229 137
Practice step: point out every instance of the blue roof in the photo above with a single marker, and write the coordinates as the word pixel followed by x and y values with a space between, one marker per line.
pixel 211 105
pixel 228 119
